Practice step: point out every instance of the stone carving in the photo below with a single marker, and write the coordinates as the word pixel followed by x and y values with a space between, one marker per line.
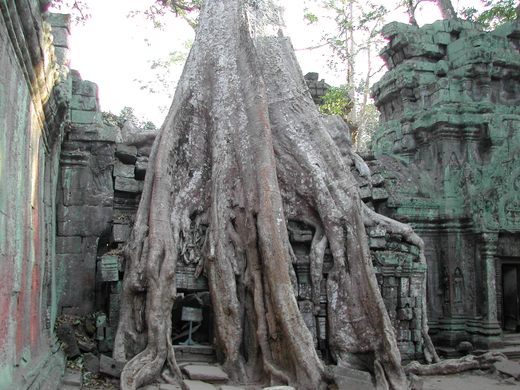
pixel 449 143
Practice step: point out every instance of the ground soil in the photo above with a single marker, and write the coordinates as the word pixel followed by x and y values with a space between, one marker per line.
pixel 471 380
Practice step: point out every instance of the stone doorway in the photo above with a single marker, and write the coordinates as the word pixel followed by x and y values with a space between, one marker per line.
pixel 511 296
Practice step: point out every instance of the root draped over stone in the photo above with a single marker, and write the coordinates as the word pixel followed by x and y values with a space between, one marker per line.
pixel 243 151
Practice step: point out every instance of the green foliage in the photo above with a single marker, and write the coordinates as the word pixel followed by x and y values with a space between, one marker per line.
pixel 125 115
pixel 336 101
pixel 185 9
pixel 310 17
pixel 494 13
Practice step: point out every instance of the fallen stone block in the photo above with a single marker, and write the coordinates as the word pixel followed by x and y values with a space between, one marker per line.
pixel 66 335
pixel 91 363
pixel 72 378
pixel 228 387
pixel 508 367
pixel 279 388
pixel 86 345
pixel 167 386
pixel 198 385
pixel 205 373
pixel 349 378
pixel 110 366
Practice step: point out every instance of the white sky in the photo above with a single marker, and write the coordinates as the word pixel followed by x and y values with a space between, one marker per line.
pixel 111 50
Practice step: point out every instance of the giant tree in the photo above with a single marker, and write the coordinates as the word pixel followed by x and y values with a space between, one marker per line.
pixel 243 151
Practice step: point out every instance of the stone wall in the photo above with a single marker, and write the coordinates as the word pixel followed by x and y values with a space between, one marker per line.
pixel 448 150
pixel 85 196
pixel 33 94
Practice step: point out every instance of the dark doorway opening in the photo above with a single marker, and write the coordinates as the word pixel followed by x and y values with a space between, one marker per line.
pixel 511 296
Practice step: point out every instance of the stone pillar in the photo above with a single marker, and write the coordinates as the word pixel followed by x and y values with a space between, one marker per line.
pixel 488 250
pixel 489 328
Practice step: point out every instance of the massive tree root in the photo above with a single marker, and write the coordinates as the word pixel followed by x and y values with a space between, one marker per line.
pixel 455 366
pixel 242 152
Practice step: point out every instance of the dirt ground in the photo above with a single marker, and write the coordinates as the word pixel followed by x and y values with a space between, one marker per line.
pixel 471 380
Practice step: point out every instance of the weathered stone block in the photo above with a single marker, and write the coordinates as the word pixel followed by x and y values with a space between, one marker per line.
pixel 126 184
pixel 94 132
pixel 60 36
pixel 68 244
pixel 124 170
pixel 127 154
pixel 205 373
pixel 349 378
pixel 279 388
pixel 167 386
pixel 83 220
pixel 91 362
pixel 120 233
pixel 365 192
pixel 62 55
pixel 109 266
pixel 508 367
pixel 377 243
pixel 57 20
pixel 110 366
pixel 198 385
pixel 72 378
pixel 442 38
pixel 84 103
pixel 86 117
pixel 379 194
pixel 84 87
pixel 377 179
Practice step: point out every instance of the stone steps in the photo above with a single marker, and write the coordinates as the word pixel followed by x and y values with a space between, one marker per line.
pixel 348 378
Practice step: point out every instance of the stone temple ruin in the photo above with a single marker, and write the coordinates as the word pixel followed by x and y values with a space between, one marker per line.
pixel 445 159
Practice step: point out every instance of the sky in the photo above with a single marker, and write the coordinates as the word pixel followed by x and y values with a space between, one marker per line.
pixel 115 51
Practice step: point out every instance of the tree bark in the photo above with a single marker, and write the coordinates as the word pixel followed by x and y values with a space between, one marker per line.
pixel 243 151
pixel 447 10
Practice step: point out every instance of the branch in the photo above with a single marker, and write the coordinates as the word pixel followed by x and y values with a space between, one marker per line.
pixel 312 47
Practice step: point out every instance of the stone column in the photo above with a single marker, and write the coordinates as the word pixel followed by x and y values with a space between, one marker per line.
pixel 490 330
pixel 488 250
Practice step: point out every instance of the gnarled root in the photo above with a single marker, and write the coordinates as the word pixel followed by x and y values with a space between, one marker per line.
pixel 454 366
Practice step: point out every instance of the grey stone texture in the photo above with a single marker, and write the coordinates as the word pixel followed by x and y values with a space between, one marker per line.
pixel 198 385
pixel 508 367
pixel 33 102
pixel 205 373
pixel 109 366
pixel 85 197
pixel 447 149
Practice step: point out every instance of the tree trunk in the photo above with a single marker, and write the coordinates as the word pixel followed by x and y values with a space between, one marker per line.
pixel 447 10
pixel 243 151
